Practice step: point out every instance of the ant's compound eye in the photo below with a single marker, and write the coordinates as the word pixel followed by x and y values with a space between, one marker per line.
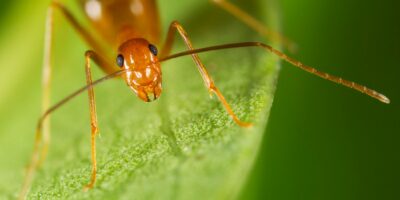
pixel 120 60
pixel 153 49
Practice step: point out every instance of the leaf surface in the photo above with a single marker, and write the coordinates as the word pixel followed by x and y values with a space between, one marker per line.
pixel 183 146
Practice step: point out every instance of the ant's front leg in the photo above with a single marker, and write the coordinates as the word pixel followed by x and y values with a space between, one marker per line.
pixel 93 116
pixel 209 83
pixel 42 136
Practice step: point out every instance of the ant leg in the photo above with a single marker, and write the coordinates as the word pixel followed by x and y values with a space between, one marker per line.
pixel 93 117
pixel 46 79
pixel 350 84
pixel 254 23
pixel 101 60
pixel 43 131
pixel 36 159
pixel 40 125
pixel 209 83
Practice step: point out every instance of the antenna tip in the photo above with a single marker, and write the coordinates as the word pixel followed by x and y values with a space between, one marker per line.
pixel 384 99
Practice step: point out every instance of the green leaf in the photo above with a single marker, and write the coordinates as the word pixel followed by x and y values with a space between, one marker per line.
pixel 183 146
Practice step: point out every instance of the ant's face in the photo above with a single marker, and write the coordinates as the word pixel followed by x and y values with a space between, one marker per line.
pixel 139 57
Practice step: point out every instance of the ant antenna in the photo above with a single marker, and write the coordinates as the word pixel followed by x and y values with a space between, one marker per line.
pixel 350 84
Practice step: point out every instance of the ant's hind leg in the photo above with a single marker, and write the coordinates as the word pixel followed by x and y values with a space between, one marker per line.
pixel 42 135
pixel 254 23
pixel 209 83
pixel 46 88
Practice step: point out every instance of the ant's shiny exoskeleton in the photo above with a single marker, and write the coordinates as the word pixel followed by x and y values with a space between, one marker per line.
pixel 133 27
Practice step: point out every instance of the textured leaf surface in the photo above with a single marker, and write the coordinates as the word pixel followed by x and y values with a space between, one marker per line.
pixel 183 146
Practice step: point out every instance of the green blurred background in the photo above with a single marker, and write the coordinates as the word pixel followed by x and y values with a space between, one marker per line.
pixel 323 141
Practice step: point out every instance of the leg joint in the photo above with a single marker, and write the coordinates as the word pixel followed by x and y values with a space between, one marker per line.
pixel 90 53
pixel 175 23
pixel 58 5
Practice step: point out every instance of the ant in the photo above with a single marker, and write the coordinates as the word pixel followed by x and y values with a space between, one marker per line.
pixel 133 26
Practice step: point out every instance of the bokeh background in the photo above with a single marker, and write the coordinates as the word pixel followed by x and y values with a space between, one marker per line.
pixel 323 141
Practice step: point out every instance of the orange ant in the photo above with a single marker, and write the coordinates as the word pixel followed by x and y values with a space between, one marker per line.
pixel 134 27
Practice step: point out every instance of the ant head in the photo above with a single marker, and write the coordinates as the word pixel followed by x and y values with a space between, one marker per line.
pixel 139 57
